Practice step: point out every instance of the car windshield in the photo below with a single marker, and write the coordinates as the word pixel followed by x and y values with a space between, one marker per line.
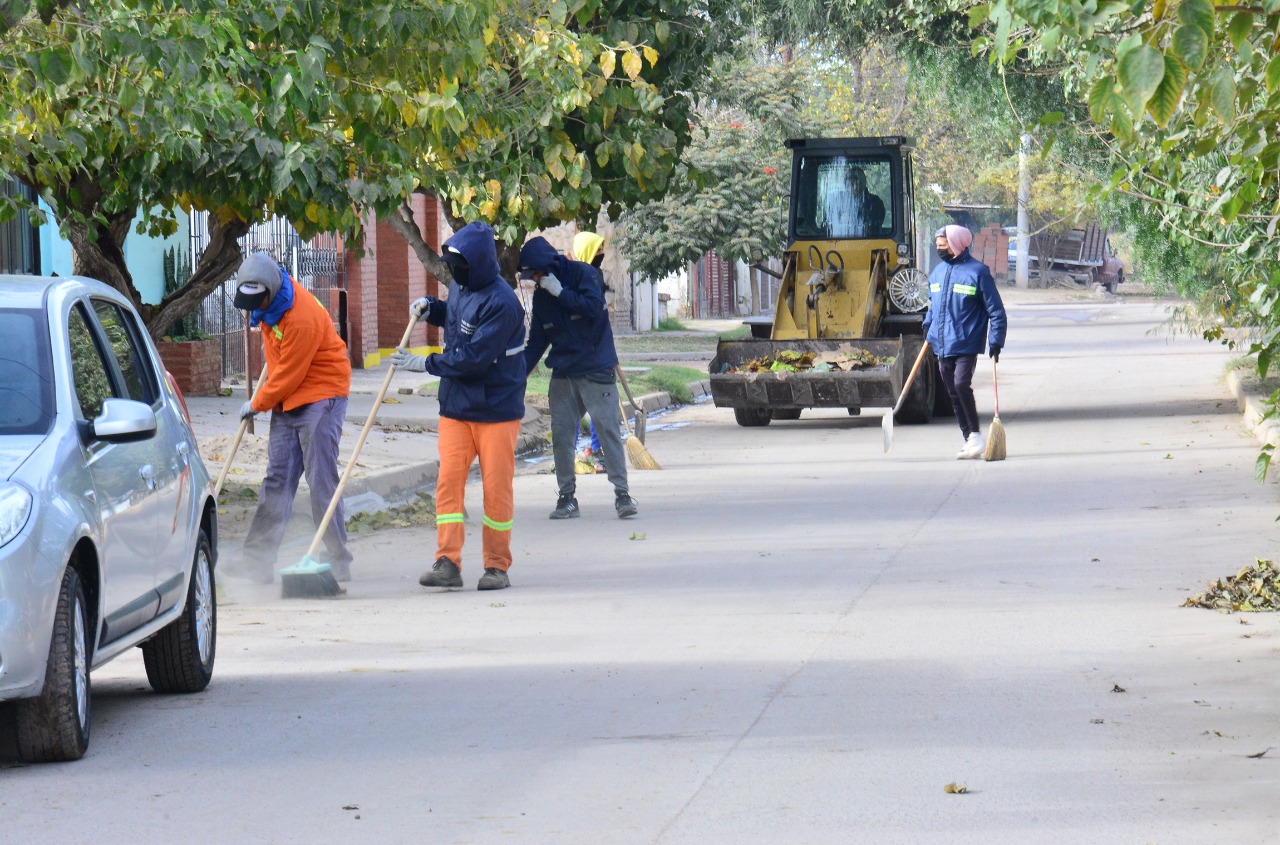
pixel 26 373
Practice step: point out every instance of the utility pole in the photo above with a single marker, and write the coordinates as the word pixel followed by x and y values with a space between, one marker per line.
pixel 1022 272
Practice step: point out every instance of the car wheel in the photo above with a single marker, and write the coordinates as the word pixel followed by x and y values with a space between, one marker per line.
pixel 180 657
pixel 785 414
pixel 752 417
pixel 55 725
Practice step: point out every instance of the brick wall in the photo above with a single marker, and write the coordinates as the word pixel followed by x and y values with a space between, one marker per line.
pixel 195 365
pixel 991 247
pixel 362 301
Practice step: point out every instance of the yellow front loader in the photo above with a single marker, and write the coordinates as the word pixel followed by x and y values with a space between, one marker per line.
pixel 847 322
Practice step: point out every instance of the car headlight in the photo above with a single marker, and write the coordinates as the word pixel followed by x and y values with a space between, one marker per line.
pixel 15 509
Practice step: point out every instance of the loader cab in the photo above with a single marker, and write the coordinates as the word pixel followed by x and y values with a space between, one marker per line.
pixel 853 189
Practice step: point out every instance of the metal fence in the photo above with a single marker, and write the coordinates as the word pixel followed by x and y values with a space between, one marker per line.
pixel 317 265
pixel 19 244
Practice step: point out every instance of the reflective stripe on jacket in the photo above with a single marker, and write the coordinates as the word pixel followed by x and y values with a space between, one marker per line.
pixel 963 300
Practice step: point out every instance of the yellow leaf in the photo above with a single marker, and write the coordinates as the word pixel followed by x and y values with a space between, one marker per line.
pixel 607 61
pixel 488 209
pixel 494 187
pixel 955 789
pixel 652 56
pixel 311 212
pixel 490 32
pixel 632 64
pixel 409 113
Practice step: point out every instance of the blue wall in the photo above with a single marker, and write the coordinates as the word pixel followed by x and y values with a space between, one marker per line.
pixel 143 256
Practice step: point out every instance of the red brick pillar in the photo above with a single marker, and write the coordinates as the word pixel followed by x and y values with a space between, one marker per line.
pixel 402 278
pixel 362 300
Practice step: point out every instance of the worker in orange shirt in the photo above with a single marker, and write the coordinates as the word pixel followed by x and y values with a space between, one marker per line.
pixel 308 379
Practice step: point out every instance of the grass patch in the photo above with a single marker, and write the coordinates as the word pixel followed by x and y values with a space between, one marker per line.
pixel 671 324
pixel 668 378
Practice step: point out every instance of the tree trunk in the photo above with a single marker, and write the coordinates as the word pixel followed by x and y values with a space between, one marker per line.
pixel 220 261
pixel 404 223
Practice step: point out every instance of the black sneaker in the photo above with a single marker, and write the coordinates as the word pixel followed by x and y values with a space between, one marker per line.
pixel 444 574
pixel 625 506
pixel 493 579
pixel 566 508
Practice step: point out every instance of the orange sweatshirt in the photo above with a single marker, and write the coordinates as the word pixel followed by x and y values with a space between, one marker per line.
pixel 306 359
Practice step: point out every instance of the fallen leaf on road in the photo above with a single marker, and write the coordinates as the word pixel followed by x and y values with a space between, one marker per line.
pixel 1259 754
pixel 636 536
pixel 1118 688
pixel 955 789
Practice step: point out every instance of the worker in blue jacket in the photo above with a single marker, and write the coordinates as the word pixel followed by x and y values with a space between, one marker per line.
pixel 570 318
pixel 964 304
pixel 482 384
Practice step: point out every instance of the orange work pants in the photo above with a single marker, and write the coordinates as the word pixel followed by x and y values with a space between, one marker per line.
pixel 460 443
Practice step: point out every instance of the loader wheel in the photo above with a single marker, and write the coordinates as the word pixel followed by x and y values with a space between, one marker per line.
pixel 785 414
pixel 751 417
pixel 918 407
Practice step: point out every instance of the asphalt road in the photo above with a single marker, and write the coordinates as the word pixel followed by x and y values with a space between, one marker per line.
pixel 799 640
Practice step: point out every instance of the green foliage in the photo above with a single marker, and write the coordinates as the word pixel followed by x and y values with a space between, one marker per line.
pixel 671 324
pixel 516 113
pixel 730 190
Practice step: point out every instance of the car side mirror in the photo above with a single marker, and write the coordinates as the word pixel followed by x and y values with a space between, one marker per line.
pixel 124 421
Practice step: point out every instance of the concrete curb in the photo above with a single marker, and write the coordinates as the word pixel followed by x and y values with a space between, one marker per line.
pixel 1267 431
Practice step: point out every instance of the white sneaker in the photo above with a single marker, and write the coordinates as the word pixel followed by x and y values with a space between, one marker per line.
pixel 972 448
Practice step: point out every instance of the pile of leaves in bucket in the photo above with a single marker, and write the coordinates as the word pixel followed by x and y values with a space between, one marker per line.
pixel 1254 589
pixel 420 511
pixel 842 359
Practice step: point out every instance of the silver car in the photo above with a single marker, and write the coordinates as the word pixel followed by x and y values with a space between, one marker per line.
pixel 108 530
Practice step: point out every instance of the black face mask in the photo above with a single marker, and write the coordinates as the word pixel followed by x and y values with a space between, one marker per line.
pixel 250 301
pixel 459 268
pixel 945 254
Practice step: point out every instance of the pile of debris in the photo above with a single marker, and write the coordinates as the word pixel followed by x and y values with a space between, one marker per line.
pixel 842 359
pixel 1254 589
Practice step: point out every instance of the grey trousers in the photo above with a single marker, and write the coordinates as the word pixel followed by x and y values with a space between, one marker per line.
pixel 569 398
pixel 304 440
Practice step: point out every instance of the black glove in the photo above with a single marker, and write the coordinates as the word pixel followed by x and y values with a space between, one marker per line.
pixel 994 352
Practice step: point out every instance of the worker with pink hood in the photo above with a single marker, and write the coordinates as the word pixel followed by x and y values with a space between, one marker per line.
pixel 964 304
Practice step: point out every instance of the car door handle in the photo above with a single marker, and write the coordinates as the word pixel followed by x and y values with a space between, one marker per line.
pixel 148 474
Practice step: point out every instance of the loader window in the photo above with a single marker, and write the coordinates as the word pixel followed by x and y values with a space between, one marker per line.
pixel 839 197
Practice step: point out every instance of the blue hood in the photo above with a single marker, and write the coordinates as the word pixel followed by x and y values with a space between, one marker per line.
pixel 476 243
pixel 539 255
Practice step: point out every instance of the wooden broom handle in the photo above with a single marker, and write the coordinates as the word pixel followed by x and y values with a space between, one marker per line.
pixel 906 385
pixel 235 446
pixel 627 387
pixel 995 386
pixel 355 453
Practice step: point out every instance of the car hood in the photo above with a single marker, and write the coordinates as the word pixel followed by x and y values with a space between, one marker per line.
pixel 14 450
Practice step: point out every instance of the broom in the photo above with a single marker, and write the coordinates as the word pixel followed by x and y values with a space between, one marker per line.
pixel 995 450
pixel 639 455
pixel 886 423
pixel 309 578
pixel 235 444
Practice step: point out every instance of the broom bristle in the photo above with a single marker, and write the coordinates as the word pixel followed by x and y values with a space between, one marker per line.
pixel 995 450
pixel 309 579
pixel 639 456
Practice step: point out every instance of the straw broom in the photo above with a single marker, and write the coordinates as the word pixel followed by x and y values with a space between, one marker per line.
pixel 995 450
pixel 636 452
